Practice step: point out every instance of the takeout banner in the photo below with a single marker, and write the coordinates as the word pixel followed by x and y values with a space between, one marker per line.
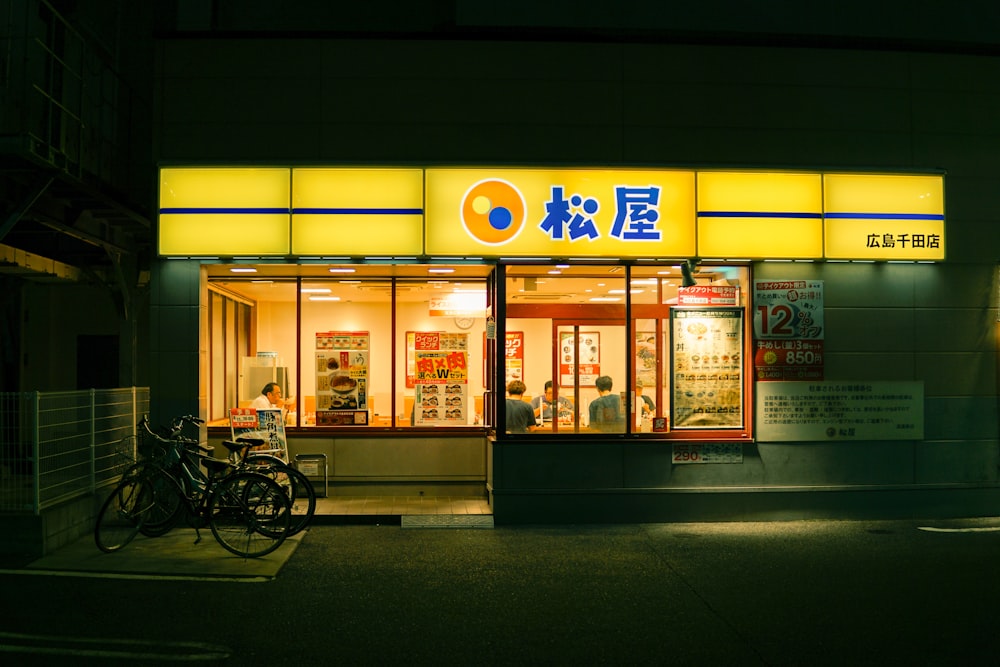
pixel 526 212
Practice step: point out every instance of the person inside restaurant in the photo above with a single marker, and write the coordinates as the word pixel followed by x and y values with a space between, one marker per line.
pixel 542 405
pixel 519 415
pixel 606 410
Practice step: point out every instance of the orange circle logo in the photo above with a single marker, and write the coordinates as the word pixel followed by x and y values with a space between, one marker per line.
pixel 493 212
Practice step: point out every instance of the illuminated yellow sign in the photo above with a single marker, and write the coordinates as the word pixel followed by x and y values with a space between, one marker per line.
pixel 238 211
pixel 510 212
pixel 357 212
pixel 884 217
pixel 559 212
pixel 760 215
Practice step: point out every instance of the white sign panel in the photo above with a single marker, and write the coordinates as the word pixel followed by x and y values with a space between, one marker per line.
pixel 839 411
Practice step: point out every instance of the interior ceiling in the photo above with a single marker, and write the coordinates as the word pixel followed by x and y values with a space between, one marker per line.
pixel 416 283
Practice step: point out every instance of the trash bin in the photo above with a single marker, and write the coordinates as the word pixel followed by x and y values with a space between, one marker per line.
pixel 314 465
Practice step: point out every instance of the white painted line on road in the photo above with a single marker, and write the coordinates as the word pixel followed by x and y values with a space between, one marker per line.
pixel 131 649
pixel 931 529
pixel 140 577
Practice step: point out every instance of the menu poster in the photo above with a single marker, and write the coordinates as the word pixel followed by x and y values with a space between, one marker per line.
pixel 441 367
pixel 583 354
pixel 342 378
pixel 266 425
pixel 645 358
pixel 707 362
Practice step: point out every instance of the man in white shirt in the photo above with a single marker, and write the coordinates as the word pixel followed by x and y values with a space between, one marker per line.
pixel 269 399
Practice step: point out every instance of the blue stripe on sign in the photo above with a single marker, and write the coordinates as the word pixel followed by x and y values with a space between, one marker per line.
pixel 887 216
pixel 757 214
pixel 359 211
pixel 198 209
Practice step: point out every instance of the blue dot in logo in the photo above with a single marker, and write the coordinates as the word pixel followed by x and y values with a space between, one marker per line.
pixel 501 218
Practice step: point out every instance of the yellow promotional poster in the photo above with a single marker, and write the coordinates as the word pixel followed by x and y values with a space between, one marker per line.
pixel 884 217
pixel 231 211
pixel 357 211
pixel 760 215
pixel 559 212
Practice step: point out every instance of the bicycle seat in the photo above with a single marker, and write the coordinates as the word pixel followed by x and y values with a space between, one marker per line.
pixel 241 444
pixel 253 442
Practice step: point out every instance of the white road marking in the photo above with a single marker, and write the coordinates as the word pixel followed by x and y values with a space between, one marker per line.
pixel 130 649
pixel 932 529
pixel 140 577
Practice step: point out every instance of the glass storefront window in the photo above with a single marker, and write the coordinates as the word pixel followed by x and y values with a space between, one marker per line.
pixel 574 324
pixel 569 328
pixel 353 348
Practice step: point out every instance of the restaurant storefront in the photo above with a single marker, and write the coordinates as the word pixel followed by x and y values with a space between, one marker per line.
pixel 394 306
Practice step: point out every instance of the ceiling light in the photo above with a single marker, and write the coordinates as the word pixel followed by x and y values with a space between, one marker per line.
pixel 324 298
pixel 262 282
pixel 243 269
pixel 316 290
pixel 609 299
pixel 339 269
pixel 440 270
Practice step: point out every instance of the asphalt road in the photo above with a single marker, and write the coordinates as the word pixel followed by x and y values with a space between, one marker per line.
pixel 789 593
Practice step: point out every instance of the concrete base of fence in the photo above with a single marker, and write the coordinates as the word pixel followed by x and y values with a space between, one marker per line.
pixel 27 536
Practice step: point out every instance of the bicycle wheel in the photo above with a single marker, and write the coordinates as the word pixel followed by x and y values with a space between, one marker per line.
pixel 301 493
pixel 122 514
pixel 167 508
pixel 249 514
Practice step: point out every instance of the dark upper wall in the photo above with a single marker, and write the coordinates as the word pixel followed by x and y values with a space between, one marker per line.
pixel 919 24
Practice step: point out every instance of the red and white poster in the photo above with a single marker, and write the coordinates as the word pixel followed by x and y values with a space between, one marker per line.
pixel 788 360
pixel 513 357
pixel 788 330
pixel 582 354
pixel 707 295
pixel 441 378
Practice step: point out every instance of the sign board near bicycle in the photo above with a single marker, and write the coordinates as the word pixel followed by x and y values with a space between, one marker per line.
pixel 266 425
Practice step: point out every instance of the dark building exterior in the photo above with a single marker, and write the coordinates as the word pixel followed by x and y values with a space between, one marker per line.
pixel 403 99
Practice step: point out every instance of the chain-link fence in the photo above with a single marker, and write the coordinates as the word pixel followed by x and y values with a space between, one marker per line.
pixel 59 445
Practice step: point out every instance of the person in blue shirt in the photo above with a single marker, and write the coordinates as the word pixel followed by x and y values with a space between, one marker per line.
pixel 542 405
pixel 606 410
pixel 520 417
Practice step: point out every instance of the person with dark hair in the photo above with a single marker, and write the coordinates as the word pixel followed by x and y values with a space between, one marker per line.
pixel 270 398
pixel 606 410
pixel 520 418
pixel 542 405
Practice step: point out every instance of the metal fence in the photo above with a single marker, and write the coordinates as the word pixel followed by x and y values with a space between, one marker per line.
pixel 55 446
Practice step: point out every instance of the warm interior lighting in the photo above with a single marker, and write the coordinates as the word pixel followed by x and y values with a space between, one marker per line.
pixel 316 290
pixel 338 269
pixel 324 298
pixel 243 269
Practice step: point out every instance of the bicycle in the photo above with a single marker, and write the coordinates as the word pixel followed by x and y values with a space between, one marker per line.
pixel 248 513
pixel 301 493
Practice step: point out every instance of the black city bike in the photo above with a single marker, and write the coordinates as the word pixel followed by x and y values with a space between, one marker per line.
pixel 248 513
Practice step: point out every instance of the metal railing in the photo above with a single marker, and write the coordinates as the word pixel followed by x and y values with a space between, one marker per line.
pixel 55 446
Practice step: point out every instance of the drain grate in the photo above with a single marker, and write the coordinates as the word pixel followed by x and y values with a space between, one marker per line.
pixel 447 521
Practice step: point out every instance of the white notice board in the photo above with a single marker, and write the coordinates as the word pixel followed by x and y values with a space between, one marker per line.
pixel 832 410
